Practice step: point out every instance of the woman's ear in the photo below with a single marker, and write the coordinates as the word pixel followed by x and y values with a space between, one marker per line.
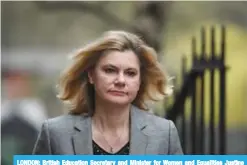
pixel 90 76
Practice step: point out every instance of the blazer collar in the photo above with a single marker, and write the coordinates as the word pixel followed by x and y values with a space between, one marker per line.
pixel 138 128
pixel 82 139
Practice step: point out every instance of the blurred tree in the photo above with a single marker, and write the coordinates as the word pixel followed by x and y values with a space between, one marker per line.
pixel 148 21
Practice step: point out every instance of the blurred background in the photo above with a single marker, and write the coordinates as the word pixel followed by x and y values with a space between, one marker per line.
pixel 37 37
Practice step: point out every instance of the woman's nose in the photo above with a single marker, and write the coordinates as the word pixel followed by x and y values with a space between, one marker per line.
pixel 120 79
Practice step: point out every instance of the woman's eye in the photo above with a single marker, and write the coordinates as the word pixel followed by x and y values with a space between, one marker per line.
pixel 109 70
pixel 131 73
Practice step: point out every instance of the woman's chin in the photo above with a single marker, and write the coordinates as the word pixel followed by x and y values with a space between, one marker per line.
pixel 119 101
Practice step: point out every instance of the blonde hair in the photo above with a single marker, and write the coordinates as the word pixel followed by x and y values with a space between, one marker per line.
pixel 75 89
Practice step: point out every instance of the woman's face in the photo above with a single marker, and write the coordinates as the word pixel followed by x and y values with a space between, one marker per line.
pixel 116 77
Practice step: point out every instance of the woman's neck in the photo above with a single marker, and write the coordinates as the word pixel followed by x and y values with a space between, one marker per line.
pixel 111 118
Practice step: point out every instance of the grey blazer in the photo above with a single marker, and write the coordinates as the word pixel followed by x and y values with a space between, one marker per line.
pixel 72 134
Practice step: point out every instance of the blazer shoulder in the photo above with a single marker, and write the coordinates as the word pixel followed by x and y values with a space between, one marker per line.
pixel 63 122
pixel 157 122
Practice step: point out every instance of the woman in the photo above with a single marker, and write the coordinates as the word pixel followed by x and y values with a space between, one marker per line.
pixel 106 89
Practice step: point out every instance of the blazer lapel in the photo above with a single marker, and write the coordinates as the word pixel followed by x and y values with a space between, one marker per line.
pixel 138 139
pixel 82 139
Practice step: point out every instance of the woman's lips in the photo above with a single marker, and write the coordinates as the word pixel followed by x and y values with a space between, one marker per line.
pixel 117 93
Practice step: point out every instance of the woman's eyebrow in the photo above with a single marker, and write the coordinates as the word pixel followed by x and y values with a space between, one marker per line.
pixel 113 66
pixel 109 65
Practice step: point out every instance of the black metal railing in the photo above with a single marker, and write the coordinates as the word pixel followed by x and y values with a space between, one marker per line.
pixel 197 137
